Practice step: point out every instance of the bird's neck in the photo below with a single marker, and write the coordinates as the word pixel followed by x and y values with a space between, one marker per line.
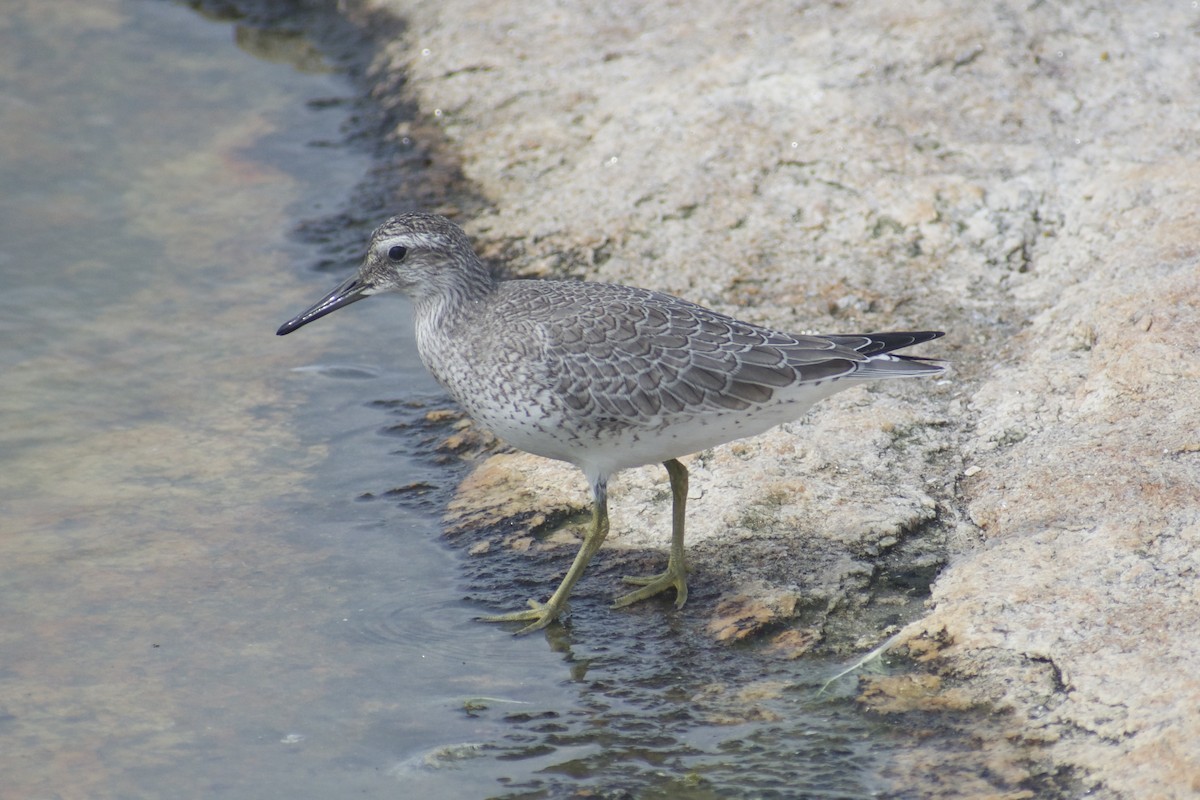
pixel 457 301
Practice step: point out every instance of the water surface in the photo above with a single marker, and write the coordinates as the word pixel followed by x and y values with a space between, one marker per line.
pixel 194 601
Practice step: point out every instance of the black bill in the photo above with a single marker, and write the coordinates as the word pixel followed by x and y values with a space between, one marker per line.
pixel 351 291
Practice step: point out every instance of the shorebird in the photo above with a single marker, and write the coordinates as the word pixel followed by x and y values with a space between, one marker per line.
pixel 603 376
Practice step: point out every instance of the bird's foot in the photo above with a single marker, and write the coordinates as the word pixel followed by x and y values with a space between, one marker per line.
pixel 539 615
pixel 674 577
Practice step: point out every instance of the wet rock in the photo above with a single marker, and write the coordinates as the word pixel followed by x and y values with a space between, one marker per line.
pixel 743 616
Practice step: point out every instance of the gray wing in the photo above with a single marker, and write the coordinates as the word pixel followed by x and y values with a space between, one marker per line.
pixel 632 354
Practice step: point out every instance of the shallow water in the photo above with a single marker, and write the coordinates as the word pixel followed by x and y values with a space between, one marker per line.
pixel 197 597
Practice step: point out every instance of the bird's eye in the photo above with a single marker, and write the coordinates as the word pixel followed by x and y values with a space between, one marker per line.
pixel 397 253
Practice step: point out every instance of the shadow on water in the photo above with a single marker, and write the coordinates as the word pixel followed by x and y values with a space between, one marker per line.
pixel 222 569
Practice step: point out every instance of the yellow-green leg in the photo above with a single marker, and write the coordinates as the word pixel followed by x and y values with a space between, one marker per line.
pixel 539 614
pixel 675 575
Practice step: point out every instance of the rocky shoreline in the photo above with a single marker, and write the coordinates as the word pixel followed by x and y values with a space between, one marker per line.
pixel 1023 177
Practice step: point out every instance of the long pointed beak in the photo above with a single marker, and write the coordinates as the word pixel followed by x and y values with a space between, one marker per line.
pixel 350 291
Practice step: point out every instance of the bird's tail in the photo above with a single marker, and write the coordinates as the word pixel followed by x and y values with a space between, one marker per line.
pixel 882 363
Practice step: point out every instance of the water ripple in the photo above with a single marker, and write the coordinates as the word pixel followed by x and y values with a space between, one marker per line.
pixel 342 371
pixel 445 630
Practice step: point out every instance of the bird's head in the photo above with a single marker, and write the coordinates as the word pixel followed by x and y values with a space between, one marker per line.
pixel 423 256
